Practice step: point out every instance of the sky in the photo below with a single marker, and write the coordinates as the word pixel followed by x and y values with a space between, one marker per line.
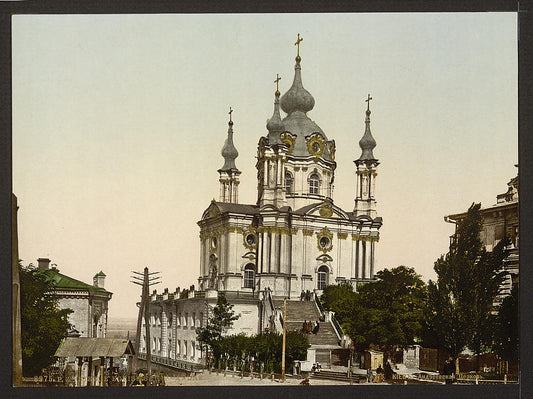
pixel 118 123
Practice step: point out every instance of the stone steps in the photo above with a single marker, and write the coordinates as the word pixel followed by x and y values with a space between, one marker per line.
pixel 337 376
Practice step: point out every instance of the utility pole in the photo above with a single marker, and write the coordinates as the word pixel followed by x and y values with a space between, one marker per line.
pixel 284 335
pixel 144 308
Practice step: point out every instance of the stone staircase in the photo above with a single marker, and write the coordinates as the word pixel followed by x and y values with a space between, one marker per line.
pixel 298 311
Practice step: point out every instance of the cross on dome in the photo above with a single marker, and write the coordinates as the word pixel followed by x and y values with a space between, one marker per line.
pixel 298 45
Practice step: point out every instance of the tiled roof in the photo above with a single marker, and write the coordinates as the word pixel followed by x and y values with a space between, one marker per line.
pixel 63 282
pixel 237 208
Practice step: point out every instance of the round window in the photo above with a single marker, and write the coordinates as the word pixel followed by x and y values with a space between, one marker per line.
pixel 316 147
pixel 324 242
pixel 250 239
pixel 214 242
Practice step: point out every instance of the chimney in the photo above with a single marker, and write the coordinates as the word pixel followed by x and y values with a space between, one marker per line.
pixel 99 279
pixel 44 263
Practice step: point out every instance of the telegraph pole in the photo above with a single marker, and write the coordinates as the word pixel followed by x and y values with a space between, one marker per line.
pixel 144 308
pixel 284 335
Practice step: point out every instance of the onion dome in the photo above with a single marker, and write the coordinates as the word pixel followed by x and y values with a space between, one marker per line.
pixel 367 142
pixel 297 98
pixel 274 124
pixel 296 102
pixel 229 152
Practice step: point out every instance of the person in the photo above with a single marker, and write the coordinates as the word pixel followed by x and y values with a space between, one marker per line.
pixel 304 327
pixel 302 295
pixel 388 371
pixel 305 381
pixel 315 329
pixel 309 327
pixel 379 374
pixel 369 375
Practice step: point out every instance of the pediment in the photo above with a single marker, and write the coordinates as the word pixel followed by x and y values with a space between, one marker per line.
pixel 327 209
pixel 211 211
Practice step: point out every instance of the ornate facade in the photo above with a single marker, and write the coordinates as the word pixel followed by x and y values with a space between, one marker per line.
pixel 294 238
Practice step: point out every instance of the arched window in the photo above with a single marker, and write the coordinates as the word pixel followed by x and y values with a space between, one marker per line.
pixel 322 277
pixel 289 180
pixel 314 183
pixel 249 275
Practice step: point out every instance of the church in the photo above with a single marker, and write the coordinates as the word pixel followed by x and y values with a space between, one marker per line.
pixel 293 239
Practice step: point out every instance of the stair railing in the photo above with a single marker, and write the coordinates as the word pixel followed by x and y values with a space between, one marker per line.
pixel 336 326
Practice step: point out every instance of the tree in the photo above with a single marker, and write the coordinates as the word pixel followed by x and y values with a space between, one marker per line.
pixel 386 313
pixel 219 321
pixel 468 280
pixel 507 335
pixel 43 323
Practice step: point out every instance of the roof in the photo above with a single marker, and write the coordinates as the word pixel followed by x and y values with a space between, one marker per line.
pixel 100 273
pixel 63 282
pixel 94 347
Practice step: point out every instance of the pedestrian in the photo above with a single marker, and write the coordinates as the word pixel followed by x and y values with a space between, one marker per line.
pixel 315 329
pixel 369 375
pixel 388 371
pixel 302 295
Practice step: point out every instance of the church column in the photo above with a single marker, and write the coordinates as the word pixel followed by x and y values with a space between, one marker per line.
pixel 363 255
pixel 164 332
pixel 357 259
pixel 277 251
pixel 372 258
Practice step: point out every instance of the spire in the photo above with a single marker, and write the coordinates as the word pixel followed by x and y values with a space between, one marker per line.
pixel 297 98
pixel 229 152
pixel 274 124
pixel 367 142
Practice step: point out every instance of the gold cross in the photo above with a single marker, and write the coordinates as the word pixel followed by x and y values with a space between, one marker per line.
pixel 298 44
pixel 277 82
pixel 368 101
pixel 230 111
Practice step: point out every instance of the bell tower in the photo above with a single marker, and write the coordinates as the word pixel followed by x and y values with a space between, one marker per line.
pixel 229 174
pixel 366 165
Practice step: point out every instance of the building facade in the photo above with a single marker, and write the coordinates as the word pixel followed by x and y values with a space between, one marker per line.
pixel 500 220
pixel 89 302
pixel 293 239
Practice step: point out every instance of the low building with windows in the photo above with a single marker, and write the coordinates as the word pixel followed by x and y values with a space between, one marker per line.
pixel 293 239
pixel 89 302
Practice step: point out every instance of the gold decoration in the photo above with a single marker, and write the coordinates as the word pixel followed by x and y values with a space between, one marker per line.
pixel 331 148
pixel 342 236
pixel 307 233
pixel 250 238
pixel 213 211
pixel 326 210
pixel 316 146
pixel 296 168
pixel 324 240
pixel 231 229
pixel 289 140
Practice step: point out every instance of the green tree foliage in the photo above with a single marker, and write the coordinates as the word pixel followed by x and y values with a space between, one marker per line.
pixel 220 319
pixel 385 313
pixel 468 280
pixel 507 331
pixel 265 348
pixel 43 323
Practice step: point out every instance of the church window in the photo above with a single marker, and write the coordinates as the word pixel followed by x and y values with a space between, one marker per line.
pixel 193 320
pixel 289 181
pixel 186 348
pixel 249 275
pixel 314 183
pixel 324 242
pixel 178 347
pixel 179 320
pixel 192 349
pixel 186 320
pixel 201 319
pixel 322 277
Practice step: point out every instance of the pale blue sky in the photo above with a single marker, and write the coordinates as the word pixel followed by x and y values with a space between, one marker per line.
pixel 118 122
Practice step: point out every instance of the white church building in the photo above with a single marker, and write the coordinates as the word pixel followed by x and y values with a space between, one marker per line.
pixel 293 239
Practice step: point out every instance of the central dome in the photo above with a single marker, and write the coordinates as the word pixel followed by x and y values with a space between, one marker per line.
pixel 297 98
